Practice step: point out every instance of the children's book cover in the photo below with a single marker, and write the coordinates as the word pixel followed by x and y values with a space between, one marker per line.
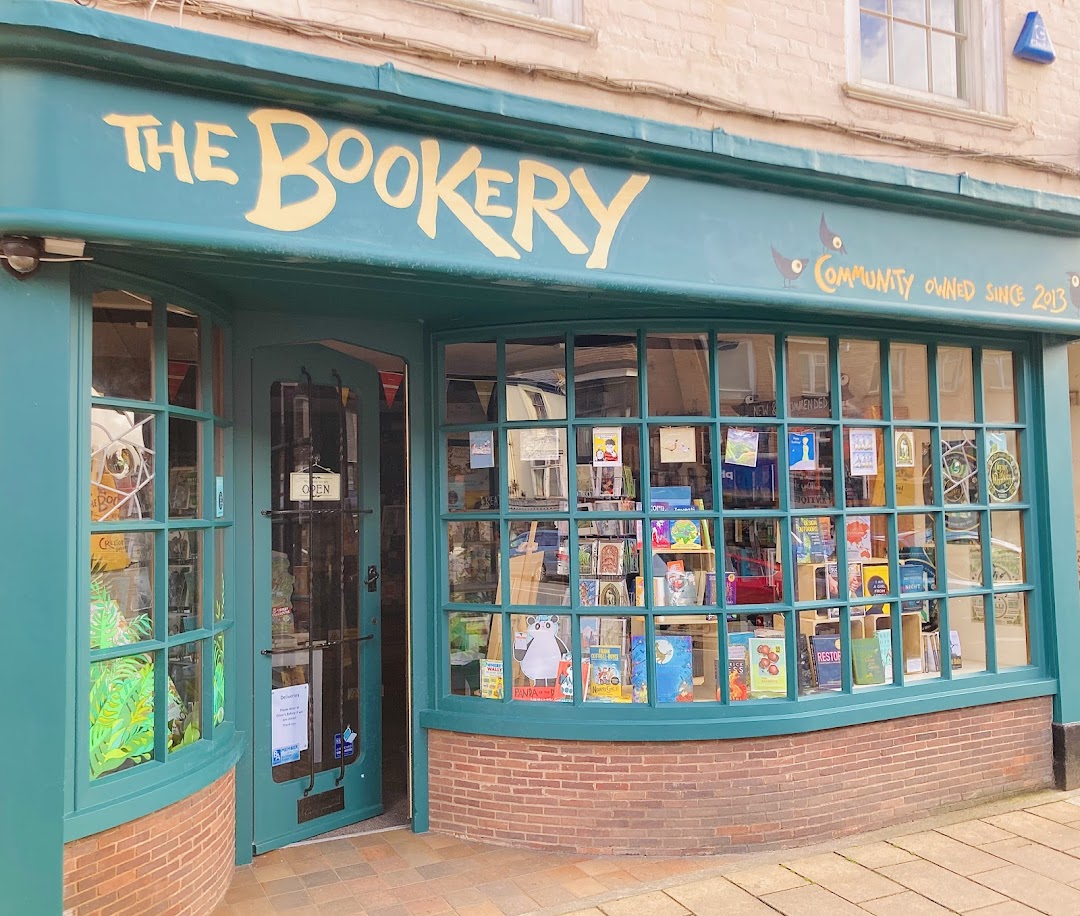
pixel 866 663
pixel 685 532
pixel 768 667
pixel 677 499
pixel 674 668
pixel 738 675
pixel 491 679
pixel 605 673
pixel 661 533
pixel 884 638
pixel 827 661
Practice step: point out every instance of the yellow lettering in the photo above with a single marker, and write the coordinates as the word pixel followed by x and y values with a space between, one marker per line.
pixel 407 195
pixel 154 149
pixel 268 210
pixel 130 125
pixel 608 217
pixel 485 193
pixel 202 158
pixel 819 278
pixel 354 173
pixel 445 189
pixel 528 204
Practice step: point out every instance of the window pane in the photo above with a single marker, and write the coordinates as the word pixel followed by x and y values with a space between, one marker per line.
pixel 121 708
pixel 910 381
pixel 121 589
pixel 684 562
pixel 748 477
pixel 471 375
pixel 536 379
pixel 542 660
pixel 963 550
pixel 813 539
pixel 999 387
pixel 183 338
pixel 609 564
pixel 473 550
pixel 746 372
pixel 967 635
pixel 1011 630
pixel 613 659
pixel 915 10
pixel 943 14
pixel 874 46
pixel 606 375
pixel 809 377
pixel 757 659
pixel 752 562
pixel 819 635
pixel 687 660
pixel 123 346
pixel 184 478
pixel 910 68
pixel 810 457
pixel 678 374
pixel 121 465
pixel 219 678
pixel 878 6
pixel 860 379
pixel 218 370
pixel 864 466
pixel 871 649
pixel 607 467
pixel 1004 481
pixel 918 561
pixel 959 466
pixel 185 581
pixel 914 463
pixel 868 550
pixel 219 574
pixel 946 64
pixel 472 471
pixel 1007 548
pixel 681 457
pixel 957 398
pixel 476 655
pixel 540 562
pixel 185 695
pixel 536 468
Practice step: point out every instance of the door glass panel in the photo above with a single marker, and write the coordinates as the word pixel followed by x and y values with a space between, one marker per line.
pixel 123 341
pixel 185 695
pixel 315 578
pixel 121 465
pixel 184 436
pixel 183 334
pixel 121 588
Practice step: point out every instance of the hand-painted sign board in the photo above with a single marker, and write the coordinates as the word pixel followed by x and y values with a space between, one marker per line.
pixel 136 162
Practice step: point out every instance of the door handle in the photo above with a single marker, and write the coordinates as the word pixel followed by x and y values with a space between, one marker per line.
pixel 372 580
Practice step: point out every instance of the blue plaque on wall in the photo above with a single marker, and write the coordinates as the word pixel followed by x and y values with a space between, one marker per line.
pixel 1034 41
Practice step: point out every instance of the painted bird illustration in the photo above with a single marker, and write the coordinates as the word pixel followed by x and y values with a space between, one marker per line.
pixel 830 239
pixel 1074 288
pixel 790 268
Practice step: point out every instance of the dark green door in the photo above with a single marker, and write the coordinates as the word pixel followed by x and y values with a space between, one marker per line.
pixel 317 671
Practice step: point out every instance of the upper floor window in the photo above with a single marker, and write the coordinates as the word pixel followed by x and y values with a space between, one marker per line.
pixel 943 49
pixel 562 17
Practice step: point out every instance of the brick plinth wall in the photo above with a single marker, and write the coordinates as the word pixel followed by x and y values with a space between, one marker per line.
pixel 700 797
pixel 178 860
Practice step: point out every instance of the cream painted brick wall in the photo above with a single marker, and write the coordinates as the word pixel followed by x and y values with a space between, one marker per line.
pixel 784 56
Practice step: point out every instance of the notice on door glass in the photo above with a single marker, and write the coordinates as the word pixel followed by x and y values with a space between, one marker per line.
pixel 289 728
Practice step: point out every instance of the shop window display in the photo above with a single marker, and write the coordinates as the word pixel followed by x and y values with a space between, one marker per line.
pixel 158 547
pixel 773 548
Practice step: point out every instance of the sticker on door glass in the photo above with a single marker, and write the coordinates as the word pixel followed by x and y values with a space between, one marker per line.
pixel 289 725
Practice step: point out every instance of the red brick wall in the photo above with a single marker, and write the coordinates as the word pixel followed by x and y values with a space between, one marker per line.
pixel 698 797
pixel 178 860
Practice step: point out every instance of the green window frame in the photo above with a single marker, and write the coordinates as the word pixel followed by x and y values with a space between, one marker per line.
pixel 940 593
pixel 153 693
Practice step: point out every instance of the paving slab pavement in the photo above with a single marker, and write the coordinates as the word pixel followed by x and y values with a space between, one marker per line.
pixel 1018 855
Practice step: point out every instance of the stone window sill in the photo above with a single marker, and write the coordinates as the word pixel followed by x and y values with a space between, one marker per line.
pixel 897 99
pixel 492 12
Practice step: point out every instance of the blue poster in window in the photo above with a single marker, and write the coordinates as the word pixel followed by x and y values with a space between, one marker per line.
pixel 802 451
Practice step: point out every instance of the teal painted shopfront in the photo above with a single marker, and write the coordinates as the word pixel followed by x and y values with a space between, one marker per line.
pixel 416 412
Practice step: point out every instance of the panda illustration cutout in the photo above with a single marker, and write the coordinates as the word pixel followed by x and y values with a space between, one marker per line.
pixel 544 652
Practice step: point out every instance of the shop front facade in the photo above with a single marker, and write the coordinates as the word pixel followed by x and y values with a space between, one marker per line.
pixel 545 476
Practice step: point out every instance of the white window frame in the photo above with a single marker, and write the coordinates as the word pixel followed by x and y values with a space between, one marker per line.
pixel 982 93
pixel 556 17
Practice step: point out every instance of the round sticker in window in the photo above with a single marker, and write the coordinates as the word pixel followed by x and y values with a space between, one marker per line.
pixel 1003 477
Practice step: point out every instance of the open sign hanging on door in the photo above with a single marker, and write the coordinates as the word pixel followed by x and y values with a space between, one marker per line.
pixel 323 486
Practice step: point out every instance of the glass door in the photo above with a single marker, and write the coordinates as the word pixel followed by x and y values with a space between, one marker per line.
pixel 317 698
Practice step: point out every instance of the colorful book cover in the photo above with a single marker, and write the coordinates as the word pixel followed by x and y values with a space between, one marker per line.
pixel 827 661
pixel 661 533
pixel 884 638
pixel 674 669
pixel 875 579
pixel 857 532
pixel 809 546
pixel 913 579
pixel 491 679
pixel 738 675
pixel 678 499
pixel 710 588
pixel 605 673
pixel 866 662
pixel 685 532
pixel 730 589
pixel 768 667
